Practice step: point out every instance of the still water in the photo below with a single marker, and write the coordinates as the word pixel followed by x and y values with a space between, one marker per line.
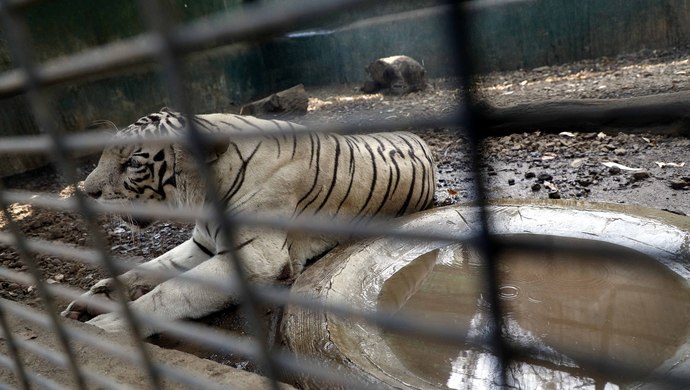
pixel 618 304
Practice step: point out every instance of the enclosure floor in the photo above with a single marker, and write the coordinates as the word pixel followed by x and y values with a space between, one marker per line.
pixel 517 166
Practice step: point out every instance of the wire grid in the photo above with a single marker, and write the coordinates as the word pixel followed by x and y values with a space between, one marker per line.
pixel 165 44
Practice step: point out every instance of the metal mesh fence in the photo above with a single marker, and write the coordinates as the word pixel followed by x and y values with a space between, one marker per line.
pixel 165 44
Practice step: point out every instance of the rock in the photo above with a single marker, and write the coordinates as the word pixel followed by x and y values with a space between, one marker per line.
pixel 511 182
pixel 529 175
pixel 396 75
pixel 614 170
pixel 290 101
pixel 554 195
pixel 536 187
pixel 544 177
pixel 680 184
pixel 620 152
pixel 641 175
pixel 577 163
pixel 585 181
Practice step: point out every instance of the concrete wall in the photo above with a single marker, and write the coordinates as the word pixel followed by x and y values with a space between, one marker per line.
pixel 517 35
pixel 556 31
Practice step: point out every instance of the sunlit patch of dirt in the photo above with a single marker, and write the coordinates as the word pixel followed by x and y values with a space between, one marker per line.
pixel 70 190
pixel 17 212
pixel 320 103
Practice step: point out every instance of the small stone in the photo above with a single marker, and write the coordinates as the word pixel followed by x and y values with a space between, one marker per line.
pixel 554 195
pixel 620 152
pixel 545 177
pixel 641 175
pixel 577 163
pixel 529 175
pixel 511 182
pixel 585 182
pixel 679 184
pixel 614 170
pixel 536 187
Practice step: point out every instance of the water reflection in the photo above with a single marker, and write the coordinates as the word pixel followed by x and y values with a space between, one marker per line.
pixel 634 312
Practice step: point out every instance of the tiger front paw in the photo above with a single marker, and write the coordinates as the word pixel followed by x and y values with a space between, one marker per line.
pixel 96 301
pixel 92 303
pixel 114 322
pixel 110 322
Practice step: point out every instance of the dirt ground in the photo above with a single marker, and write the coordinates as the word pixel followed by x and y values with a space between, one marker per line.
pixel 653 170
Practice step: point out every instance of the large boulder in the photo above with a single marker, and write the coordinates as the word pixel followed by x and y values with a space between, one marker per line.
pixel 395 75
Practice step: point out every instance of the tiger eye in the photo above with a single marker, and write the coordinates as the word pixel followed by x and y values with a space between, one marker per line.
pixel 133 163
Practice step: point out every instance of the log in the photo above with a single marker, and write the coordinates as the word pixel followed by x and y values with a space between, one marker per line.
pixel 664 113
pixel 293 100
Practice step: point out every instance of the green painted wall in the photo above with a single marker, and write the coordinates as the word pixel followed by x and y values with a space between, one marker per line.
pixel 557 31
pixel 518 35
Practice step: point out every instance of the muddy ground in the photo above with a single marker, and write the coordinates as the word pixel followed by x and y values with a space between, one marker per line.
pixel 566 166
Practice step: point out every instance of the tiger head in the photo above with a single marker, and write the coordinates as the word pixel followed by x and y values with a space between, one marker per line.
pixel 146 172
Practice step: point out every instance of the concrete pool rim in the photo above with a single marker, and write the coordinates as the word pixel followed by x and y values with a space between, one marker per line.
pixel 660 234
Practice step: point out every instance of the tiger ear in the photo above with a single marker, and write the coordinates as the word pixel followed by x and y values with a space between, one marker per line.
pixel 212 152
pixel 184 157
pixel 214 146
pixel 215 150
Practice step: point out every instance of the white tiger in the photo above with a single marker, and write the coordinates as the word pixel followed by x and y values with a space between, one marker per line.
pixel 329 175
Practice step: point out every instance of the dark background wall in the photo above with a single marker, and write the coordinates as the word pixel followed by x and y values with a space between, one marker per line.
pixel 336 50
